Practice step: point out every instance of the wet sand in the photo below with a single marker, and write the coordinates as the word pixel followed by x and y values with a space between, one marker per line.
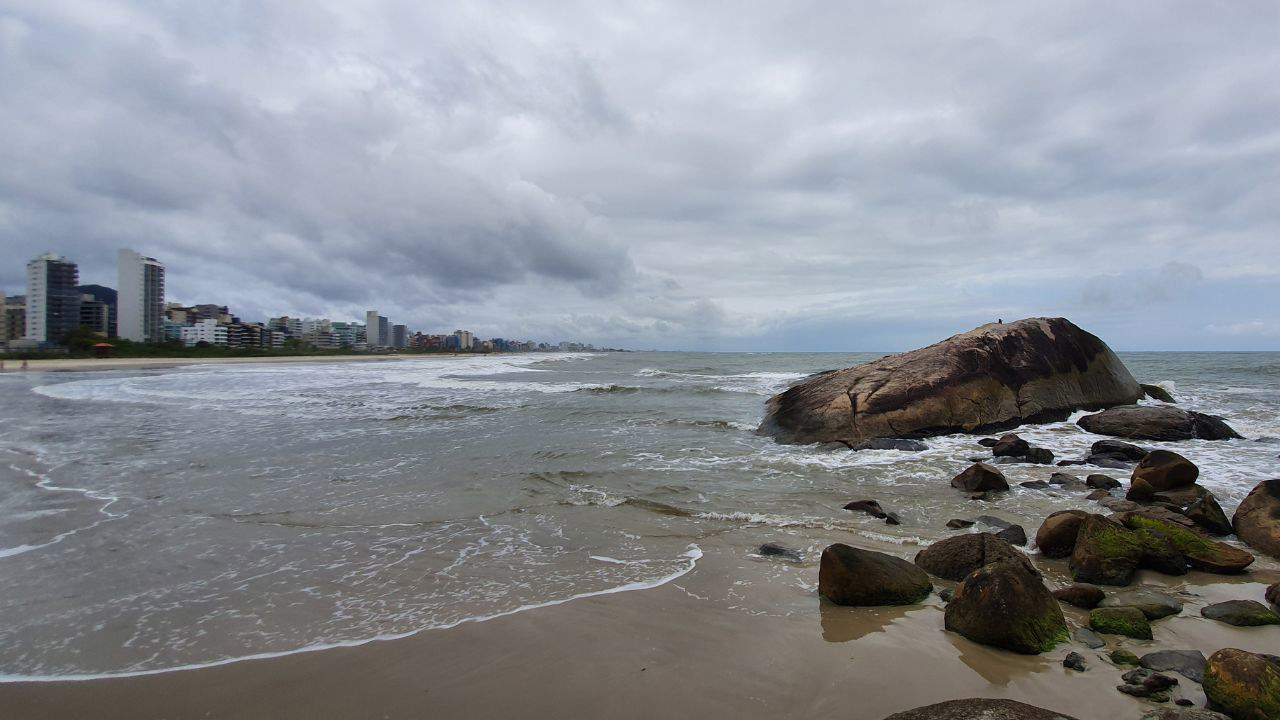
pixel 738 637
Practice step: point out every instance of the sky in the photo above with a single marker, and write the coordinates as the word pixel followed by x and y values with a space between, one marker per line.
pixel 671 175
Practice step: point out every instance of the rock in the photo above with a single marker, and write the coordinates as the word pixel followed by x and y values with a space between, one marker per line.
pixel 1102 482
pixel 980 477
pixel 981 495
pixel 1014 535
pixel 1080 595
pixel 1005 605
pixel 1089 638
pixel 892 518
pixel 1182 498
pixel 996 376
pixel 1163 422
pixel 1120 656
pixel 1153 603
pixel 1208 514
pixel 1241 613
pixel 1118 449
pixel 979 708
pixel 954 558
pixel 1140 491
pixel 1068 463
pixel 1189 663
pixel 1166 470
pixel 1155 392
pixel 1126 621
pixel 1074 661
pixel 959 523
pixel 1056 537
pixel 993 521
pixel 1106 461
pixel 903 444
pixel 1098 495
pixel 870 507
pixel 946 594
pixel 1257 519
pixel 1105 552
pixel 1201 552
pixel 1010 445
pixel 1144 683
pixel 780 551
pixel 988 442
pixel 1183 713
pixel 1035 485
pixel 1118 504
pixel 1273 594
pixel 1042 456
pixel 1061 478
pixel 1242 684
pixel 851 576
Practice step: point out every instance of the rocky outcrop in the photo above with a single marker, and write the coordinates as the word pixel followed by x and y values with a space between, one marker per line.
pixel 1126 621
pixel 1105 552
pixel 1209 515
pixel 1242 684
pixel 1188 663
pixel 1101 482
pixel 852 576
pixel 1257 519
pixel 955 557
pixel 1191 546
pixel 980 477
pixel 1151 602
pixel 1155 392
pixel 1160 422
pixel 996 376
pixel 1006 605
pixel 1010 446
pixel 973 708
pixel 1166 470
pixel 1241 613
pixel 1056 537
pixel 1118 449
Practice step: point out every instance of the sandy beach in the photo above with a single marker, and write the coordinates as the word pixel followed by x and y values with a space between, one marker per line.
pixel 685 649
pixel 89 364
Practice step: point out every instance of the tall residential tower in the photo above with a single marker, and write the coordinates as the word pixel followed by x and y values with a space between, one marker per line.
pixel 140 299
pixel 53 302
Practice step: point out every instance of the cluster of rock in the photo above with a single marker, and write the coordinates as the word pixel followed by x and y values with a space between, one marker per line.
pixel 1037 370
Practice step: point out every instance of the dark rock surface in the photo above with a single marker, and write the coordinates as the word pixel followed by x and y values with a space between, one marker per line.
pixel 1105 553
pixel 1088 638
pixel 1146 683
pixel 1080 595
pixel 980 477
pixel 1155 392
pixel 1035 485
pixel 1102 482
pixel 1188 663
pixel 1121 656
pixel 1273 594
pixel 1166 470
pixel 959 523
pixel 1004 604
pixel 1010 445
pixel 1074 661
pixel 979 709
pixel 1166 539
pixel 904 444
pixel 1208 514
pixel 1126 621
pixel 780 551
pixel 870 507
pixel 851 576
pixel 1162 422
pixel 1242 684
pixel 954 558
pixel 995 376
pixel 1118 449
pixel 1153 603
pixel 1257 519
pixel 1056 537
pixel 1241 613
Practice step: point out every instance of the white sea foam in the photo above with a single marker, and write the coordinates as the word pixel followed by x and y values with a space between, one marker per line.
pixel 692 555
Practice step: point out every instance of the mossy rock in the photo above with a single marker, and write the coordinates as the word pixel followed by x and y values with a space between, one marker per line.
pixel 1242 684
pixel 1202 552
pixel 1241 613
pixel 1105 553
pixel 1006 605
pixel 1126 621
pixel 1120 656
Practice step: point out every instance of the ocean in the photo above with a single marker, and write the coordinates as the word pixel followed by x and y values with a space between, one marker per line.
pixel 162 519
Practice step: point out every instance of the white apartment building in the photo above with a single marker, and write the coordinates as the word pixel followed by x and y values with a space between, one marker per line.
pixel 205 331
pixel 140 301
pixel 53 302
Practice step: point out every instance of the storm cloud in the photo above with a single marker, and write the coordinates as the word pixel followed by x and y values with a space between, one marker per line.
pixel 672 175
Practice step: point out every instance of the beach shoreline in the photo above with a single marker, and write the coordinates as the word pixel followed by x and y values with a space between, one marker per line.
pixel 92 364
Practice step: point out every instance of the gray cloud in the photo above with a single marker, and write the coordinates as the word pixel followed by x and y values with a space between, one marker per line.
pixel 665 175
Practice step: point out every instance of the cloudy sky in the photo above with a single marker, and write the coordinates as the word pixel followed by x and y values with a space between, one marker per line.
pixel 683 175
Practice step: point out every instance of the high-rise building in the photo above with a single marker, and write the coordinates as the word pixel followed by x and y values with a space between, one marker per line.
pixel 399 336
pixel 108 297
pixel 95 315
pixel 53 303
pixel 13 321
pixel 376 328
pixel 465 339
pixel 140 303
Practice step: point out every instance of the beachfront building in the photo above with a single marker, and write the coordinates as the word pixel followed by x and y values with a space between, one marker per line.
pixel 348 334
pixel 95 315
pixel 204 331
pixel 465 339
pixel 399 336
pixel 107 296
pixel 53 303
pixel 13 320
pixel 140 312
pixel 378 329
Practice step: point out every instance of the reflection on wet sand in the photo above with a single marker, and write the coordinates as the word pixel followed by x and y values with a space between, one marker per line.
pixel 844 624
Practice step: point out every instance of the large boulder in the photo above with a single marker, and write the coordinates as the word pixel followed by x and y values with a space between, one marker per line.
pixel 1158 422
pixel 852 576
pixel 1082 595
pixel 1242 684
pixel 1006 605
pixel 975 708
pixel 955 557
pixel 1241 613
pixel 1118 449
pixel 1056 537
pixel 995 376
pixel 1153 603
pixel 1189 663
pixel 1166 470
pixel 1257 519
pixel 1010 445
pixel 1208 514
pixel 980 477
pixel 1197 549
pixel 1126 621
pixel 1105 553
pixel 1155 392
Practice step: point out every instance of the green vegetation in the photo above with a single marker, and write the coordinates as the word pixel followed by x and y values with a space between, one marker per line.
pixel 1126 621
pixel 1185 541
pixel 1042 633
pixel 1120 656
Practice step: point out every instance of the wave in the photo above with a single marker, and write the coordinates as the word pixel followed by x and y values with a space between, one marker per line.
pixel 692 554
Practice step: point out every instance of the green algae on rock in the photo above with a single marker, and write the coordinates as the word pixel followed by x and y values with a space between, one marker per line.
pixel 1126 621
